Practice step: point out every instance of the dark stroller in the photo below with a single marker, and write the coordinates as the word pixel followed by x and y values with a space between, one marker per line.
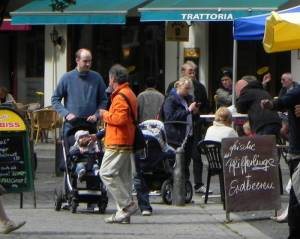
pixel 157 162
pixel 93 192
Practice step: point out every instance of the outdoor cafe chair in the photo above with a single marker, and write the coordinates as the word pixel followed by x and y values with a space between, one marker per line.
pixel 212 151
pixel 43 121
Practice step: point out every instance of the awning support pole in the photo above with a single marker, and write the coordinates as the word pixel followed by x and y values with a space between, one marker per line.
pixel 234 71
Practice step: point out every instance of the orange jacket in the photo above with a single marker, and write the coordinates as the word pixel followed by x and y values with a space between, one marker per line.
pixel 120 128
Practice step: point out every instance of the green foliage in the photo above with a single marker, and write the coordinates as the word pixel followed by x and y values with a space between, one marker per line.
pixel 61 5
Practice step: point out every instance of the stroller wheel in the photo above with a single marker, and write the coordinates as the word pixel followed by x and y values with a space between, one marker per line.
pixel 167 191
pixel 58 199
pixel 74 206
pixel 188 191
pixel 102 207
pixel 102 203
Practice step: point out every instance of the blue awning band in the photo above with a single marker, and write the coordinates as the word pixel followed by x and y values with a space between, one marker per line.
pixel 65 20
pixel 39 12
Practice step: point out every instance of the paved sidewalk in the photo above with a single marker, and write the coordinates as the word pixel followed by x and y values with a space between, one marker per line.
pixel 195 220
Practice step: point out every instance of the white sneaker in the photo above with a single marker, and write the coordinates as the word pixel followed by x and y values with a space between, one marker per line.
pixel 119 217
pixel 146 213
pixel 11 226
pixel 202 189
pixel 131 209
pixel 281 218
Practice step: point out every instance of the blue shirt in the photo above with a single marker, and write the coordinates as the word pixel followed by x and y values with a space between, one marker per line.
pixel 83 94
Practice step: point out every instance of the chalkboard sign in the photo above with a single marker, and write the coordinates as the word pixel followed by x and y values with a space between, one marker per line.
pixel 15 160
pixel 251 173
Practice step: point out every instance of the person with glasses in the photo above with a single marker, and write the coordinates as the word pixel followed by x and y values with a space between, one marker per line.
pixel 287 83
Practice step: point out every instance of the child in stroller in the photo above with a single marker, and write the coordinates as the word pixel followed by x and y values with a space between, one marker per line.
pixel 91 189
pixel 81 152
pixel 155 165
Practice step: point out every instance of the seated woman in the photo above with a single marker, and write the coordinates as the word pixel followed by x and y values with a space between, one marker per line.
pixel 224 93
pixel 221 127
pixel 5 97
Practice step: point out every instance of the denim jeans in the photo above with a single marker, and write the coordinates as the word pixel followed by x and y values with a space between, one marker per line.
pixel 80 166
pixel 142 192
pixel 142 189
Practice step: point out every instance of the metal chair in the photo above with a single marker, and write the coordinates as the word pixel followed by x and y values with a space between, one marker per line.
pixel 42 121
pixel 212 151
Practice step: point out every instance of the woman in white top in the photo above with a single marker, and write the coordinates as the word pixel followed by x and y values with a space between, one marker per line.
pixel 221 127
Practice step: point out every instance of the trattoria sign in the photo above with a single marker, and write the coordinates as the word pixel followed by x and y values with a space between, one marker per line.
pixel 195 15
pixel 207 17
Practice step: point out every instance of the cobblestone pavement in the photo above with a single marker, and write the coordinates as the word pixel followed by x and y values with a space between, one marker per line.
pixel 195 220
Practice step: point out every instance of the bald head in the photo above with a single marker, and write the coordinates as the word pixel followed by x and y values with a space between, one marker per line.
pixel 241 84
pixel 287 80
pixel 188 70
pixel 83 60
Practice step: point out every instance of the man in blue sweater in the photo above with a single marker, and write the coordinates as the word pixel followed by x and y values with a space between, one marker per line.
pixel 83 91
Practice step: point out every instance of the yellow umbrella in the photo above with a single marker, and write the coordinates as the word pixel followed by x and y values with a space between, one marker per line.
pixel 282 32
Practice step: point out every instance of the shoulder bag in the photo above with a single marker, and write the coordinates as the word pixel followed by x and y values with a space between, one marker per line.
pixel 139 140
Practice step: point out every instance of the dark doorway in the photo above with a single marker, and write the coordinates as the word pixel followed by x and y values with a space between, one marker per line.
pixel 251 57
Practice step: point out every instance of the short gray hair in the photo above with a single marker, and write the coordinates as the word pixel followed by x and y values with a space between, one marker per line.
pixel 120 73
pixel 249 78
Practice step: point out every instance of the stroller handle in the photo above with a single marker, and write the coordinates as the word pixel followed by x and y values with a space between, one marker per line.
pixel 176 122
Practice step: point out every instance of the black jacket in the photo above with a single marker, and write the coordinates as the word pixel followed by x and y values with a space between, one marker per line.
pixel 249 103
pixel 288 102
pixel 174 110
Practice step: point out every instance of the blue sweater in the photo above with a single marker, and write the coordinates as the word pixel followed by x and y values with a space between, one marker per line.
pixel 83 94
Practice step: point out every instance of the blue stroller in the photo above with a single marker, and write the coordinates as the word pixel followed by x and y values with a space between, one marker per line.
pixel 157 161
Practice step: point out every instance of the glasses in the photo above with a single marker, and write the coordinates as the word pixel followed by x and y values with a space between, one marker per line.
pixel 187 88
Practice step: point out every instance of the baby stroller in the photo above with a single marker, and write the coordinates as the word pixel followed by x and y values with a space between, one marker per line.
pixel 92 189
pixel 157 162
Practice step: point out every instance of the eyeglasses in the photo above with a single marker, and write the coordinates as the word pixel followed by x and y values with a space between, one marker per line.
pixel 188 88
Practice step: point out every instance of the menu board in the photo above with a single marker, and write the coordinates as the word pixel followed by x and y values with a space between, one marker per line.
pixel 251 173
pixel 15 165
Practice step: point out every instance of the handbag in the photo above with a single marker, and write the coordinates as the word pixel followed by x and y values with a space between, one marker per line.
pixel 139 140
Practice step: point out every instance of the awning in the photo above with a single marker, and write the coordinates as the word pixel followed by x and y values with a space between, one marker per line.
pixel 39 12
pixel 205 10
pixel 253 28
pixel 7 26
pixel 282 32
